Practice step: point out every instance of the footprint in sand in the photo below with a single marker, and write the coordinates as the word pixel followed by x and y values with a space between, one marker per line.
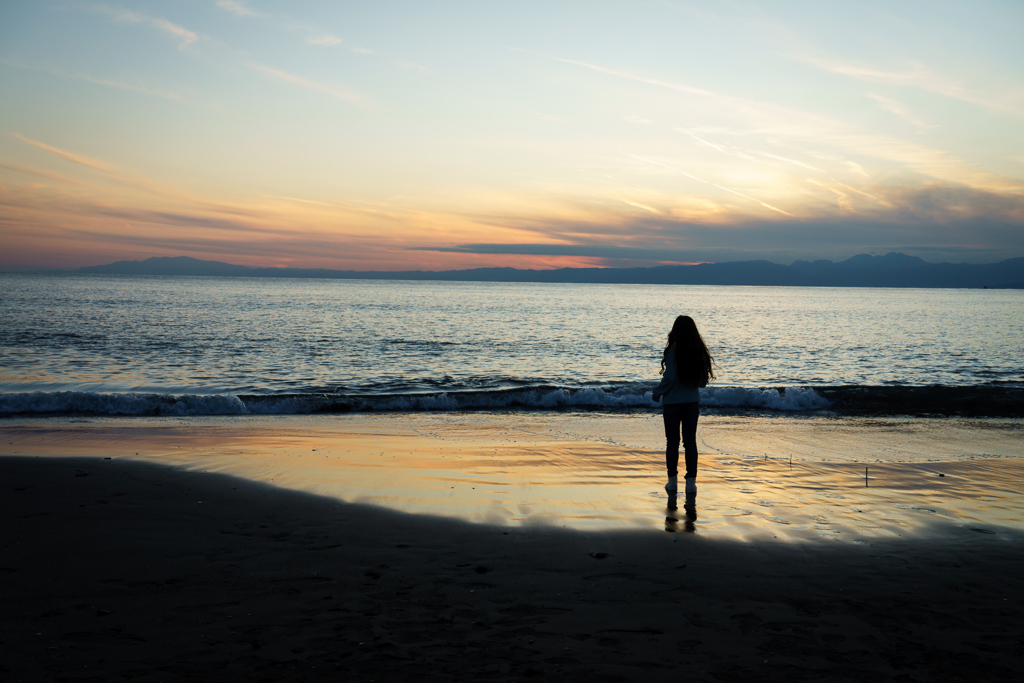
pixel 833 495
pixel 777 520
pixel 746 490
pixel 764 503
pixel 819 519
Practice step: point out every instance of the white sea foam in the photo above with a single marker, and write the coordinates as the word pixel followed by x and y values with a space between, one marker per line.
pixel 72 402
pixel 625 398
pixel 792 398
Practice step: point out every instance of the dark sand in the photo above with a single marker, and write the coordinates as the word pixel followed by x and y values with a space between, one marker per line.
pixel 120 569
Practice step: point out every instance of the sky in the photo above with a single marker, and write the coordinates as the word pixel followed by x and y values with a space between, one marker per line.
pixel 402 135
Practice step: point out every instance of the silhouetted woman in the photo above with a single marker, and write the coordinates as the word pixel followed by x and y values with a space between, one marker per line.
pixel 685 367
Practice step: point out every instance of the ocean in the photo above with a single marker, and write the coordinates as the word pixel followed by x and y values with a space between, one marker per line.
pixel 182 346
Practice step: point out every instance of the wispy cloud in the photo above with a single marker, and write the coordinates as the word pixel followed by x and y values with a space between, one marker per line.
pixel 74 158
pixel 812 133
pixel 862 193
pixel 599 251
pixel 894 107
pixel 326 39
pixel 334 91
pixel 842 198
pixel 239 8
pixel 111 172
pixel 791 161
pixel 917 75
pixel 622 73
pixel 836 142
pixel 175 30
pixel 186 36
pixel 412 66
pixel 720 149
pixel 640 206
pixel 701 180
pixel 138 87
pixel 42 173
pixel 939 215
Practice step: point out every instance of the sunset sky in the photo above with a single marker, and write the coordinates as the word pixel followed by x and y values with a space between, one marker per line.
pixel 435 135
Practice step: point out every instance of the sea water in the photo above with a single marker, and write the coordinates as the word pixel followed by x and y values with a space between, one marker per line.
pixel 148 345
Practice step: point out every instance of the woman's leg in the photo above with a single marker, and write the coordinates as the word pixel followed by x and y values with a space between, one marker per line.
pixel 688 418
pixel 672 416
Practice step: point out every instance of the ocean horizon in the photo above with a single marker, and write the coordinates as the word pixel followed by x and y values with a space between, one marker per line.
pixel 177 345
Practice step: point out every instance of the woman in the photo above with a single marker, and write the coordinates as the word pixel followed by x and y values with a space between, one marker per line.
pixel 685 366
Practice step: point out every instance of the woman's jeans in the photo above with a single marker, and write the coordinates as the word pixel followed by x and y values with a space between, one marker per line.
pixel 681 417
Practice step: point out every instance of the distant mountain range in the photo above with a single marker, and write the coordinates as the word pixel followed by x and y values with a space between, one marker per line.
pixel 891 270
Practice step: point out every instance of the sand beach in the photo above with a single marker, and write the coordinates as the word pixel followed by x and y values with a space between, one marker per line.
pixel 499 547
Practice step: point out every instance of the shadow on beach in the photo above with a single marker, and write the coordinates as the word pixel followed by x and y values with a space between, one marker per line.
pixel 121 569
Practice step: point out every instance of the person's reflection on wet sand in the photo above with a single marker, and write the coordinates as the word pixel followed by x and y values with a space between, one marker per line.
pixel 689 508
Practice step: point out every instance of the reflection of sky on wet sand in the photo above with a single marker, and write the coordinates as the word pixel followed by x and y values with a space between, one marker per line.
pixel 526 470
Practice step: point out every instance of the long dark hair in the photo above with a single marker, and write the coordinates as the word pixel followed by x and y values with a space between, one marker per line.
pixel 693 361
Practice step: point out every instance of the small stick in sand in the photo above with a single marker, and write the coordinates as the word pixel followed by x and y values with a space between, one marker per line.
pixel 865 476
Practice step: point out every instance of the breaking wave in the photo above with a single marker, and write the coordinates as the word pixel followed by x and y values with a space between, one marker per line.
pixel 992 401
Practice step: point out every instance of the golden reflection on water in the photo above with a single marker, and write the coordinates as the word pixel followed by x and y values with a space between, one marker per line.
pixel 511 476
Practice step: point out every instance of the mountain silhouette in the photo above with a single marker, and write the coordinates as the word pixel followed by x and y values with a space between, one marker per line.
pixel 864 270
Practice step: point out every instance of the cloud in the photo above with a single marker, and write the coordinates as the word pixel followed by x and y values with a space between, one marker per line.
pixel 945 221
pixel 894 107
pixel 791 161
pixel 43 173
pixel 110 83
pixel 950 219
pixel 812 133
pixel 945 204
pixel 584 250
pixel 284 76
pixel 175 30
pixel 326 39
pixel 110 172
pixel 74 158
pixel 832 141
pixel 640 206
pixel 921 77
pixel 75 228
pixel 187 37
pixel 413 67
pixel 731 153
pixel 238 8
pixel 842 197
pixel 624 74
pixel 693 177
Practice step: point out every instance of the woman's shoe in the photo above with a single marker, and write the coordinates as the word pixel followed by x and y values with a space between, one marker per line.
pixel 671 485
pixel 691 485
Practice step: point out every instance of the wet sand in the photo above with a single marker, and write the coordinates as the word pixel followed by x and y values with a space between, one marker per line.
pixel 173 566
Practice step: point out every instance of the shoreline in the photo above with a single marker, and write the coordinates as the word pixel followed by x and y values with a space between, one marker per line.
pixel 840 401
pixel 593 472
pixel 130 570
